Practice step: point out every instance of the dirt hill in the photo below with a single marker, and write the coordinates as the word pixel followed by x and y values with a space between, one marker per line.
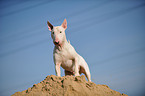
pixel 68 86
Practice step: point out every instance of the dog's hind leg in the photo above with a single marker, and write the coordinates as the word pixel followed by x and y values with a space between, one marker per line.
pixel 86 72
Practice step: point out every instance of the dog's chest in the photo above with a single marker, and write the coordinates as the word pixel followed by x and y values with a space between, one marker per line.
pixel 64 54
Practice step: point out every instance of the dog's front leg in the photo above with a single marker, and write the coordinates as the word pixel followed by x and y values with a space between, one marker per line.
pixel 57 69
pixel 76 67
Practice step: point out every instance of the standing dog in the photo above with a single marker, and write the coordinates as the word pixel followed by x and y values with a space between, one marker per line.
pixel 64 54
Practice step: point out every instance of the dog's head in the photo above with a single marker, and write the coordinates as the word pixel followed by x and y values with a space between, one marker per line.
pixel 58 33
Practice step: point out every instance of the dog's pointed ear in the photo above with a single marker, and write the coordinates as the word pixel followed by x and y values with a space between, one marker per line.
pixel 64 24
pixel 50 26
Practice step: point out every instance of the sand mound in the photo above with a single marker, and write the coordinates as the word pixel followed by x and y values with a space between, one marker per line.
pixel 68 86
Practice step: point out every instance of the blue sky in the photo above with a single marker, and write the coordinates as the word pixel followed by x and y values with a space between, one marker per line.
pixel 109 34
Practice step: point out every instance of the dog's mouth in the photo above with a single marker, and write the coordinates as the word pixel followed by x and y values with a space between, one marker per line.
pixel 57 43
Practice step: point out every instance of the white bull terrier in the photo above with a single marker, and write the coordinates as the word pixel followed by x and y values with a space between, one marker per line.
pixel 64 54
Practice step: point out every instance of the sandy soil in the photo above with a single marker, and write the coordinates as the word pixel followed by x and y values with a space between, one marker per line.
pixel 68 86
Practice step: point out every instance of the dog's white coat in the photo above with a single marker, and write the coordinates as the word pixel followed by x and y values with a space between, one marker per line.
pixel 65 55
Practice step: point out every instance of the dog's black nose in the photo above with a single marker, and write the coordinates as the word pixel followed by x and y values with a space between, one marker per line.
pixel 56 42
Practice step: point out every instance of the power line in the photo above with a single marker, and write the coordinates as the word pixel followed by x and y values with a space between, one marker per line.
pixel 106 18
pixel 101 19
pixel 10 5
pixel 86 9
pixel 20 10
pixel 27 8
pixel 117 14
pixel 68 16
pixel 24 36
pixel 119 56
pixel 35 28
pixel 24 47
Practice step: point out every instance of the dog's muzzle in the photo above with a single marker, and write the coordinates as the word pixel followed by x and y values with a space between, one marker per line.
pixel 56 43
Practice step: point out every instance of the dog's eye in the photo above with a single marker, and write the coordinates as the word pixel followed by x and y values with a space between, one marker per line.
pixel 60 32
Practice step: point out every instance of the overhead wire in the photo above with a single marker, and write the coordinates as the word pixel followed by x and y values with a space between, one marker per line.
pixel 26 30
pixel 23 48
pixel 95 21
pixel 107 17
pixel 92 7
pixel 17 2
pixel 119 13
pixel 118 56
pixel 18 49
pixel 26 8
